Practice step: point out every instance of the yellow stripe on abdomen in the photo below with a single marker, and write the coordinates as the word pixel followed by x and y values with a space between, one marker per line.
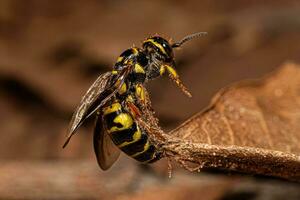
pixel 146 147
pixel 112 108
pixel 127 135
pixel 125 121
pixel 136 136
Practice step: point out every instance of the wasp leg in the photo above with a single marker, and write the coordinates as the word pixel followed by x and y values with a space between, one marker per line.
pixel 142 96
pixel 175 78
pixel 144 104
pixel 134 110
pixel 145 120
pixel 154 131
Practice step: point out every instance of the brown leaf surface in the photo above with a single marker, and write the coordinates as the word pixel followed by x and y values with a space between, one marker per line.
pixel 250 127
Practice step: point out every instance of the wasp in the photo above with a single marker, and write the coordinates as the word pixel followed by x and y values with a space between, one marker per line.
pixel 119 100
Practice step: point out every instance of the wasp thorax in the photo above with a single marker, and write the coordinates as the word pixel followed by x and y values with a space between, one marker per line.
pixel 126 58
pixel 159 48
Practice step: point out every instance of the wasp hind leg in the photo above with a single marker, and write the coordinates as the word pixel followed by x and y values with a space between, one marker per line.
pixel 146 120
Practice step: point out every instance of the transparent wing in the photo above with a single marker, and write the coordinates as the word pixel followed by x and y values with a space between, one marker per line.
pixel 97 95
pixel 106 151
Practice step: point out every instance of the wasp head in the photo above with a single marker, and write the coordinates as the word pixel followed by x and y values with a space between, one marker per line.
pixel 159 48
pixel 160 54
pixel 161 57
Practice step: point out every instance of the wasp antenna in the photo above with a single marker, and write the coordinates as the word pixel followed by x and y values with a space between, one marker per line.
pixel 187 38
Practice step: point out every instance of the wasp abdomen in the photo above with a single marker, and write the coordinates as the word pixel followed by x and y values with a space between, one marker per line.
pixel 127 135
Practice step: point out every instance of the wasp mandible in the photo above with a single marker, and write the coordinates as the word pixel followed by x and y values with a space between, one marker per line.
pixel 119 97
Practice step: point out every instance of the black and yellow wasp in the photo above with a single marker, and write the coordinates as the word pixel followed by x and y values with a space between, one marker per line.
pixel 120 99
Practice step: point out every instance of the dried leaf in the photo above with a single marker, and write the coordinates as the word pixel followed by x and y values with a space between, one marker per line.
pixel 250 127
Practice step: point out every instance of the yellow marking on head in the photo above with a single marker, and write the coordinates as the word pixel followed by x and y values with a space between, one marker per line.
pixel 136 136
pixel 146 147
pixel 157 45
pixel 120 59
pixel 139 69
pixel 114 72
pixel 140 92
pixel 123 89
pixel 112 108
pixel 124 119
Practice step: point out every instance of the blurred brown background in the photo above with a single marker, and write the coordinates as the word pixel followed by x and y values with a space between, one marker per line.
pixel 51 51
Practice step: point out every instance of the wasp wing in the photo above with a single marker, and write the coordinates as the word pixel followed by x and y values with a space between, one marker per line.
pixel 97 95
pixel 106 151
